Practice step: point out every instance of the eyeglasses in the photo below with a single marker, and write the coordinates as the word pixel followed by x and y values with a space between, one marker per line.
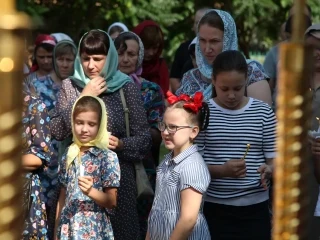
pixel 171 128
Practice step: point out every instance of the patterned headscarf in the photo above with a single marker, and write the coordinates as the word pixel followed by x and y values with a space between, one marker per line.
pixel 138 71
pixel 230 41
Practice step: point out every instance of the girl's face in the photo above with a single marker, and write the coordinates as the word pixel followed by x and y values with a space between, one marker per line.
pixel 230 89
pixel 44 59
pixel 86 126
pixel 93 64
pixel 211 42
pixel 177 119
pixel 128 59
pixel 65 64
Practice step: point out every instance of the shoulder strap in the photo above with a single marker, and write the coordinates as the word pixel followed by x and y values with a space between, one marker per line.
pixel 126 111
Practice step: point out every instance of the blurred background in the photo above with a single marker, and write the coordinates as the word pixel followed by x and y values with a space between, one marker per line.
pixel 258 21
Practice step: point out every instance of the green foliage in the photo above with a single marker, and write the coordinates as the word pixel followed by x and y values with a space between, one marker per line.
pixel 258 21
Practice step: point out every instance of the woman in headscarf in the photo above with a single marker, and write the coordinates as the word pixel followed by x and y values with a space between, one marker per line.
pixel 130 52
pixel 46 89
pixel 116 28
pixel 217 32
pixel 96 74
pixel 61 36
pixel 64 55
pixel 36 156
pixel 154 66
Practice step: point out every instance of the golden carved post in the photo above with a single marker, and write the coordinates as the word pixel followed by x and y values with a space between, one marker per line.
pixel 11 60
pixel 291 167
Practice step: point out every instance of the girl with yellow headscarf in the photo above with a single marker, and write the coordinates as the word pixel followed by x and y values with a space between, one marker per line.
pixel 89 175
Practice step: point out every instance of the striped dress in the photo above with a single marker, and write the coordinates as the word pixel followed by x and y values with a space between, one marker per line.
pixel 187 170
pixel 227 136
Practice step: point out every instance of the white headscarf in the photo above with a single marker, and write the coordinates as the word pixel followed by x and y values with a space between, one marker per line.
pixel 118 24
pixel 61 36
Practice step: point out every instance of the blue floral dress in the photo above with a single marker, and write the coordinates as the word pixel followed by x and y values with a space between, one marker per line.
pixel 81 217
pixel 36 138
pixel 153 102
pixel 47 90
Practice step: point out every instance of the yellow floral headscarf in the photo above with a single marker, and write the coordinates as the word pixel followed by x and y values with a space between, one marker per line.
pixel 101 140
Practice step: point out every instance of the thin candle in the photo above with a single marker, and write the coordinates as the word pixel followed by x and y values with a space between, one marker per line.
pixel 318 119
pixel 245 154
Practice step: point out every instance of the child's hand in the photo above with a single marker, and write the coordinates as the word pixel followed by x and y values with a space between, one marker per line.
pixel 85 184
pixel 115 143
pixel 265 171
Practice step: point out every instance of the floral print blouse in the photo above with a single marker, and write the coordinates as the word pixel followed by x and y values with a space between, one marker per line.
pixel 81 217
pixel 153 102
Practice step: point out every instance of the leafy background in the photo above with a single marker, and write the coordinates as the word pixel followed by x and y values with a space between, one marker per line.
pixel 258 21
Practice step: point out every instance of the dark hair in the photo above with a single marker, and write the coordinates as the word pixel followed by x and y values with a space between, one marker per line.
pixel 151 36
pixel 191 50
pixel 120 41
pixel 115 29
pixel 200 119
pixel 95 42
pixel 231 60
pixel 213 20
pixel 86 104
pixel 65 48
pixel 46 46
pixel 289 23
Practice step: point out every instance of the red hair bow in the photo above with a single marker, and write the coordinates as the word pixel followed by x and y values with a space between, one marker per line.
pixel 194 104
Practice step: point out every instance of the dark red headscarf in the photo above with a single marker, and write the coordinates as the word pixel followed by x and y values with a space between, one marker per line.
pixel 42 38
pixel 155 70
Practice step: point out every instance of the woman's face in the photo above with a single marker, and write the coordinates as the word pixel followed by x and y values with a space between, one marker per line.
pixel 92 64
pixel 114 35
pixel 65 65
pixel 44 59
pixel 230 89
pixel 151 53
pixel 128 59
pixel 315 44
pixel 211 42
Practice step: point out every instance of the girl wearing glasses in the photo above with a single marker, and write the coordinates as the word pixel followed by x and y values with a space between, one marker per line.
pixel 183 177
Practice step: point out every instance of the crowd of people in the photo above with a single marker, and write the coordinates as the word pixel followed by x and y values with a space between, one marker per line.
pixel 95 110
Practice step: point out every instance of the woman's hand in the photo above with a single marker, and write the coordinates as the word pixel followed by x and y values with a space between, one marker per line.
pixel 265 171
pixel 235 168
pixel 85 184
pixel 315 145
pixel 95 87
pixel 115 143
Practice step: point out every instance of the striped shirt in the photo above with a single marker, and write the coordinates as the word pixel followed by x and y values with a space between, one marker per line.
pixel 187 170
pixel 227 136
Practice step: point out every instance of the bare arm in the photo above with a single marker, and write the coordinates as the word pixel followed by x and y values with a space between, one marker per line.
pixel 190 205
pixel 174 84
pixel 315 147
pixel 30 162
pixel 106 199
pixel 60 205
pixel 260 90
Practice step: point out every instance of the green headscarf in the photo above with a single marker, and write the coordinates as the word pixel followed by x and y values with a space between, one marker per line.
pixel 114 78
pixel 62 42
